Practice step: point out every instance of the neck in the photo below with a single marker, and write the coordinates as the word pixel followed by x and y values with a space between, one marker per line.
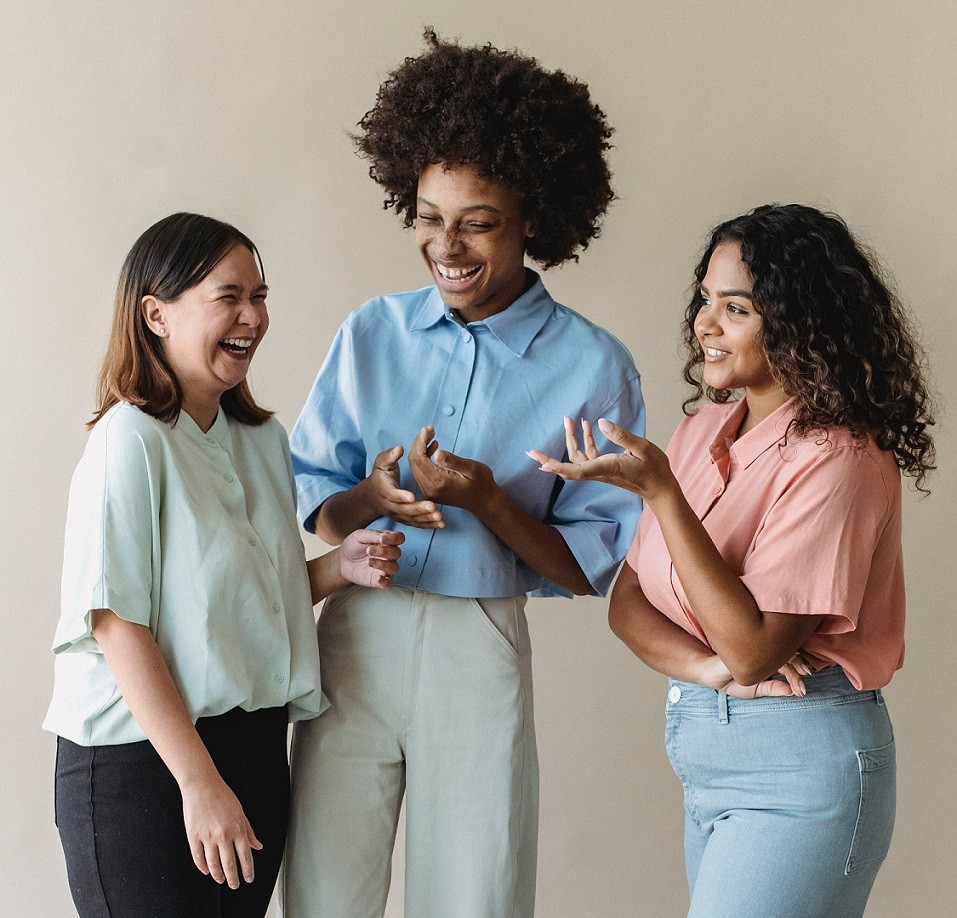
pixel 760 405
pixel 202 411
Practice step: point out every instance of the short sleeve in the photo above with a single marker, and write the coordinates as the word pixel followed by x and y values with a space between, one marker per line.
pixel 328 453
pixel 812 554
pixel 597 521
pixel 112 521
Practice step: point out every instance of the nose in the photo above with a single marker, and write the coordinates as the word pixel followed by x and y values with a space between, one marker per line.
pixel 449 242
pixel 252 313
pixel 704 322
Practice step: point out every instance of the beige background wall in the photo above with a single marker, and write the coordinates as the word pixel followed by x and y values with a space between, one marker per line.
pixel 114 114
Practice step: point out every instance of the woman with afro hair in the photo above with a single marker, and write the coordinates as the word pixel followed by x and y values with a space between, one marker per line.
pixel 766 577
pixel 491 158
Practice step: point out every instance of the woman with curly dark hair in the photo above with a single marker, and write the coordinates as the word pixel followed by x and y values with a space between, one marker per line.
pixel 766 576
pixel 492 159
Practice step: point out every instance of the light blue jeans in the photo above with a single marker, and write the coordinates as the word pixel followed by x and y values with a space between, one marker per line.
pixel 789 802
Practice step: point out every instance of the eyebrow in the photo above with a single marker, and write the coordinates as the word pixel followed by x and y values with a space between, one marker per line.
pixel 725 294
pixel 237 288
pixel 467 209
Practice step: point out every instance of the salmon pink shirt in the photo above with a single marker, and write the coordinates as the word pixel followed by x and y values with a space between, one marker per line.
pixel 811 525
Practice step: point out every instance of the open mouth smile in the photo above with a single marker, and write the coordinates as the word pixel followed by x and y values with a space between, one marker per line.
pixel 236 347
pixel 456 275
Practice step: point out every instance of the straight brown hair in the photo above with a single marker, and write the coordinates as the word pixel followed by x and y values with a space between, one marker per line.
pixel 172 256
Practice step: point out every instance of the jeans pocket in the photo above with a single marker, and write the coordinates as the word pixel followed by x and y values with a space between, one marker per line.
pixel 878 804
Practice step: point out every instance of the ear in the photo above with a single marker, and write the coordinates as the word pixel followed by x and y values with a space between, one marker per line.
pixel 528 229
pixel 153 315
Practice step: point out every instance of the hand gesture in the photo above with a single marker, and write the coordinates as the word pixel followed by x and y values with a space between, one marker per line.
pixel 446 478
pixel 218 832
pixel 643 468
pixel 370 557
pixel 716 675
pixel 394 502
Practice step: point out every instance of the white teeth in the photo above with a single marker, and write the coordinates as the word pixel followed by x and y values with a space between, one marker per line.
pixel 714 352
pixel 237 342
pixel 456 273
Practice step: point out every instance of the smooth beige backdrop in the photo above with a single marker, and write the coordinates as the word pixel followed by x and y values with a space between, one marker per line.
pixel 113 115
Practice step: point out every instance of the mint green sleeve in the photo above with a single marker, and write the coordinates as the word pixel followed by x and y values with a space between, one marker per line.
pixel 112 530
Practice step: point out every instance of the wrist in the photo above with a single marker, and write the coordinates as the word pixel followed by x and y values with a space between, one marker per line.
pixel 493 505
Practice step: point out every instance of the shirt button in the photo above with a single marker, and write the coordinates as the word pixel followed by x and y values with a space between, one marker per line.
pixel 674 694
pixel 280 678
pixel 228 478
pixel 412 559
pixel 276 607
pixel 717 489
pixel 448 410
pixel 252 541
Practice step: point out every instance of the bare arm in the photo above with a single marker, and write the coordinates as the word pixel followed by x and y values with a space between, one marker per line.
pixel 367 557
pixel 449 479
pixel 664 646
pixel 219 833
pixel 753 643
pixel 375 496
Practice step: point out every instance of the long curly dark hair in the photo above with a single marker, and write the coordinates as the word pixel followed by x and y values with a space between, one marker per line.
pixel 536 132
pixel 835 334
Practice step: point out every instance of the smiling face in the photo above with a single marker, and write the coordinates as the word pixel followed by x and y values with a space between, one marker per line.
pixel 728 327
pixel 472 234
pixel 210 333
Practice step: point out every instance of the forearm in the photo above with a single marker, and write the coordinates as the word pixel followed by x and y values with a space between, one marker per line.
pixel 147 687
pixel 652 637
pixel 751 642
pixel 344 512
pixel 325 575
pixel 537 544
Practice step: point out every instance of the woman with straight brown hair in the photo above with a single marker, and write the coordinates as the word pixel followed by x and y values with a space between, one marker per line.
pixel 186 642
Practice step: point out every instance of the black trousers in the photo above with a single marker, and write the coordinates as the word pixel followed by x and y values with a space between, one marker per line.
pixel 120 817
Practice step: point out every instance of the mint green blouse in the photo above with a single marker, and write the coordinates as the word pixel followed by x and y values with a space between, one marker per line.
pixel 194 536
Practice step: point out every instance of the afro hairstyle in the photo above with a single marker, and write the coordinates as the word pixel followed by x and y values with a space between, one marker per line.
pixel 532 130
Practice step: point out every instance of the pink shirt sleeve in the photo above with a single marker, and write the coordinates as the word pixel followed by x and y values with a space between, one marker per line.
pixel 813 552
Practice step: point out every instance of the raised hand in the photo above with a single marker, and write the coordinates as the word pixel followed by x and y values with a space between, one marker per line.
pixel 369 557
pixel 394 502
pixel 642 468
pixel 446 478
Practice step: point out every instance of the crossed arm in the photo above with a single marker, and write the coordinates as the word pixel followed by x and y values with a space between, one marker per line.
pixel 748 643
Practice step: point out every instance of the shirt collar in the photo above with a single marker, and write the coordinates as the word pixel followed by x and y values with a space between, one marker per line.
pixel 516 326
pixel 218 433
pixel 756 441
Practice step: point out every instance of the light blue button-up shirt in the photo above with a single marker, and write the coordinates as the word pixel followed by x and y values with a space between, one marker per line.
pixel 194 536
pixel 492 390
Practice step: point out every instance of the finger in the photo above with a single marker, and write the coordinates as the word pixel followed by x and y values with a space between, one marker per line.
pixel 388 459
pixel 214 862
pixel 422 439
pixel 383 552
pixel 794 679
pixel 227 853
pixel 379 536
pixel 588 440
pixel 431 448
pixel 384 565
pixel 244 855
pixel 619 435
pixel 538 456
pixel 772 687
pixel 451 462
pixel 199 856
pixel 571 441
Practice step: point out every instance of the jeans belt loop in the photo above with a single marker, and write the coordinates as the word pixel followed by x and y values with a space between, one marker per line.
pixel 878 696
pixel 722 707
